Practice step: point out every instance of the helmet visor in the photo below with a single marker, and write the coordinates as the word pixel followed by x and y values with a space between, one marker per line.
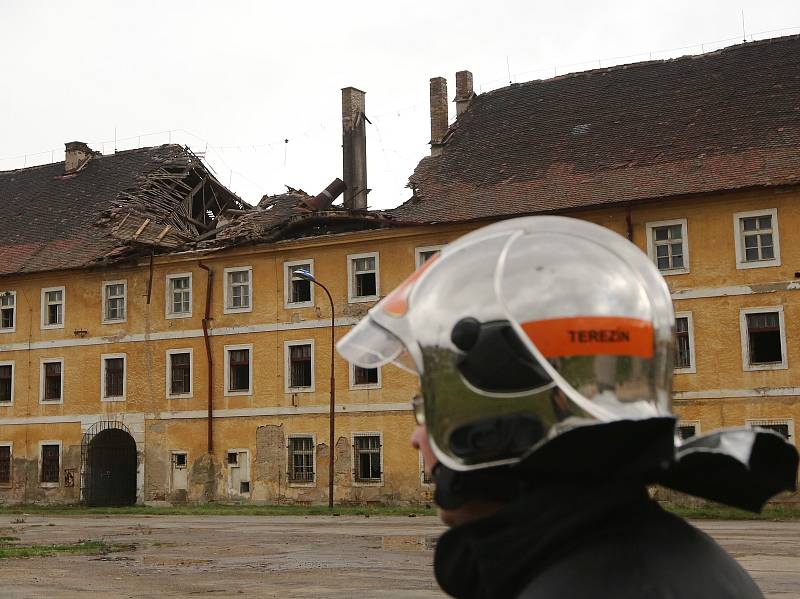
pixel 369 345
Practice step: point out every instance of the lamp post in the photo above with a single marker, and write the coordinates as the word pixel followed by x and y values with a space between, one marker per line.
pixel 307 276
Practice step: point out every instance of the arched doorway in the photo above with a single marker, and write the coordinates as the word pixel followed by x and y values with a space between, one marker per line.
pixel 109 465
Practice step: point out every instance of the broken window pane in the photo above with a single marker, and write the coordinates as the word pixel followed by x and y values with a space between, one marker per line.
pixel 300 290
pixel 364 277
pixel 764 338
pixel 7 310
pixel 54 308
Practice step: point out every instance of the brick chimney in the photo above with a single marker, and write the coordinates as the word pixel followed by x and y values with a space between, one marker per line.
pixel 439 114
pixel 77 155
pixel 464 91
pixel 354 149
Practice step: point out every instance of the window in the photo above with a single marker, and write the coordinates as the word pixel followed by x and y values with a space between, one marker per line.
pixel 763 338
pixel 784 428
pixel 299 365
pixel 361 378
pixel 686 430
pixel 6 383
pixel 5 464
pixel 238 471
pixel 8 311
pixel 179 295
pixel 298 292
pixel 51 383
pixel 114 293
pixel 684 344
pixel 50 463
pixel 238 369
pixel 113 377
pixel 668 247
pixel 425 478
pixel 367 457
pixel 179 373
pixel 362 272
pixel 756 239
pixel 237 290
pixel 301 459
pixel 53 308
pixel 423 254
pixel 179 460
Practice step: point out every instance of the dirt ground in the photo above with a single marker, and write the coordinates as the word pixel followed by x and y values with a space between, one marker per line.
pixel 320 557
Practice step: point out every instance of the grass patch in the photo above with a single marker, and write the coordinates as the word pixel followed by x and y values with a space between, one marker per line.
pixel 10 550
pixel 216 509
pixel 723 512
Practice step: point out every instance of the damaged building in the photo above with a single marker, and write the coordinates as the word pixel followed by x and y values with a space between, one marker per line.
pixel 155 344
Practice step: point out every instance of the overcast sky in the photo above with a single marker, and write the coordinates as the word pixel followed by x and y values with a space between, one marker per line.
pixel 234 79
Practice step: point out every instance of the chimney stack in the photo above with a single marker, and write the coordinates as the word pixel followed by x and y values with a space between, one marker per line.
pixel 464 91
pixel 354 149
pixel 439 114
pixel 77 155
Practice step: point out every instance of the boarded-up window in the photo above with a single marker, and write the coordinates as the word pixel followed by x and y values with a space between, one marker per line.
pixel 239 370
pixel 115 377
pixel 52 381
pixel 764 338
pixel 50 463
pixel 180 374
pixel 367 458
pixel 300 366
pixel 301 459
pixel 6 382
pixel 683 354
pixel 5 465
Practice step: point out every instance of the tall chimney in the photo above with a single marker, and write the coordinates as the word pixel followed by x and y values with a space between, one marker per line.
pixel 354 149
pixel 464 91
pixel 77 154
pixel 438 114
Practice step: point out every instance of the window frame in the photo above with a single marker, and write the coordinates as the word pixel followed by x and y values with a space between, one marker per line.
pixel 745 339
pixel 695 424
pixel 103 359
pixel 692 369
pixel 50 485
pixel 168 359
pixel 287 366
pixel 288 267
pixel 738 237
pixel 366 482
pixel 228 289
pixel 238 464
pixel 104 308
pixel 43 319
pixel 651 244
pixel 241 392
pixel 753 422
pixel 168 295
pixel 297 483
pixel 42 379
pixel 351 258
pixel 13 327
pixel 355 386
pixel 418 251
pixel 10 483
pixel 6 404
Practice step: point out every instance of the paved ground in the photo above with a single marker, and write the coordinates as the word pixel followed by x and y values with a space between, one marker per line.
pixel 233 556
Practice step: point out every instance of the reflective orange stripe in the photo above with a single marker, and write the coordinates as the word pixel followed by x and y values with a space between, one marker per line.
pixel 396 303
pixel 591 336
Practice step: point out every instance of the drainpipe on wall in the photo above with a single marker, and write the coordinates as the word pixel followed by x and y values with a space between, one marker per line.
pixel 206 318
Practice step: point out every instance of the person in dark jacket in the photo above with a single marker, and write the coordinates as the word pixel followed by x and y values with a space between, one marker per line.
pixel 544 351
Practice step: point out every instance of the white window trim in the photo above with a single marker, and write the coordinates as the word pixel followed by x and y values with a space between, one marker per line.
pixel 172 454
pixel 350 291
pixel 249 479
pixel 168 313
pixel 746 366
pixel 103 359
pixel 287 283
pixel 313 437
pixel 287 366
pixel 426 248
pixel 228 349
pixel 692 423
pixel 226 290
pixel 41 459
pixel 43 324
pixel 10 483
pixel 365 386
pixel 693 368
pixel 13 381
pixel 737 236
pixel 42 362
pixel 357 483
pixel 168 358
pixel 422 473
pixel 753 422
pixel 105 319
pixel 13 326
pixel 651 249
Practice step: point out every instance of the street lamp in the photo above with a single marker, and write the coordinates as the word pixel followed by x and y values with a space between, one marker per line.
pixel 307 276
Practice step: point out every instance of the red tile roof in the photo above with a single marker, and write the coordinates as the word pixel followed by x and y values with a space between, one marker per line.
pixel 715 122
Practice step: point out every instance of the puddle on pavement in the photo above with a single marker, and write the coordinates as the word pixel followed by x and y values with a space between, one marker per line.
pixel 408 543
